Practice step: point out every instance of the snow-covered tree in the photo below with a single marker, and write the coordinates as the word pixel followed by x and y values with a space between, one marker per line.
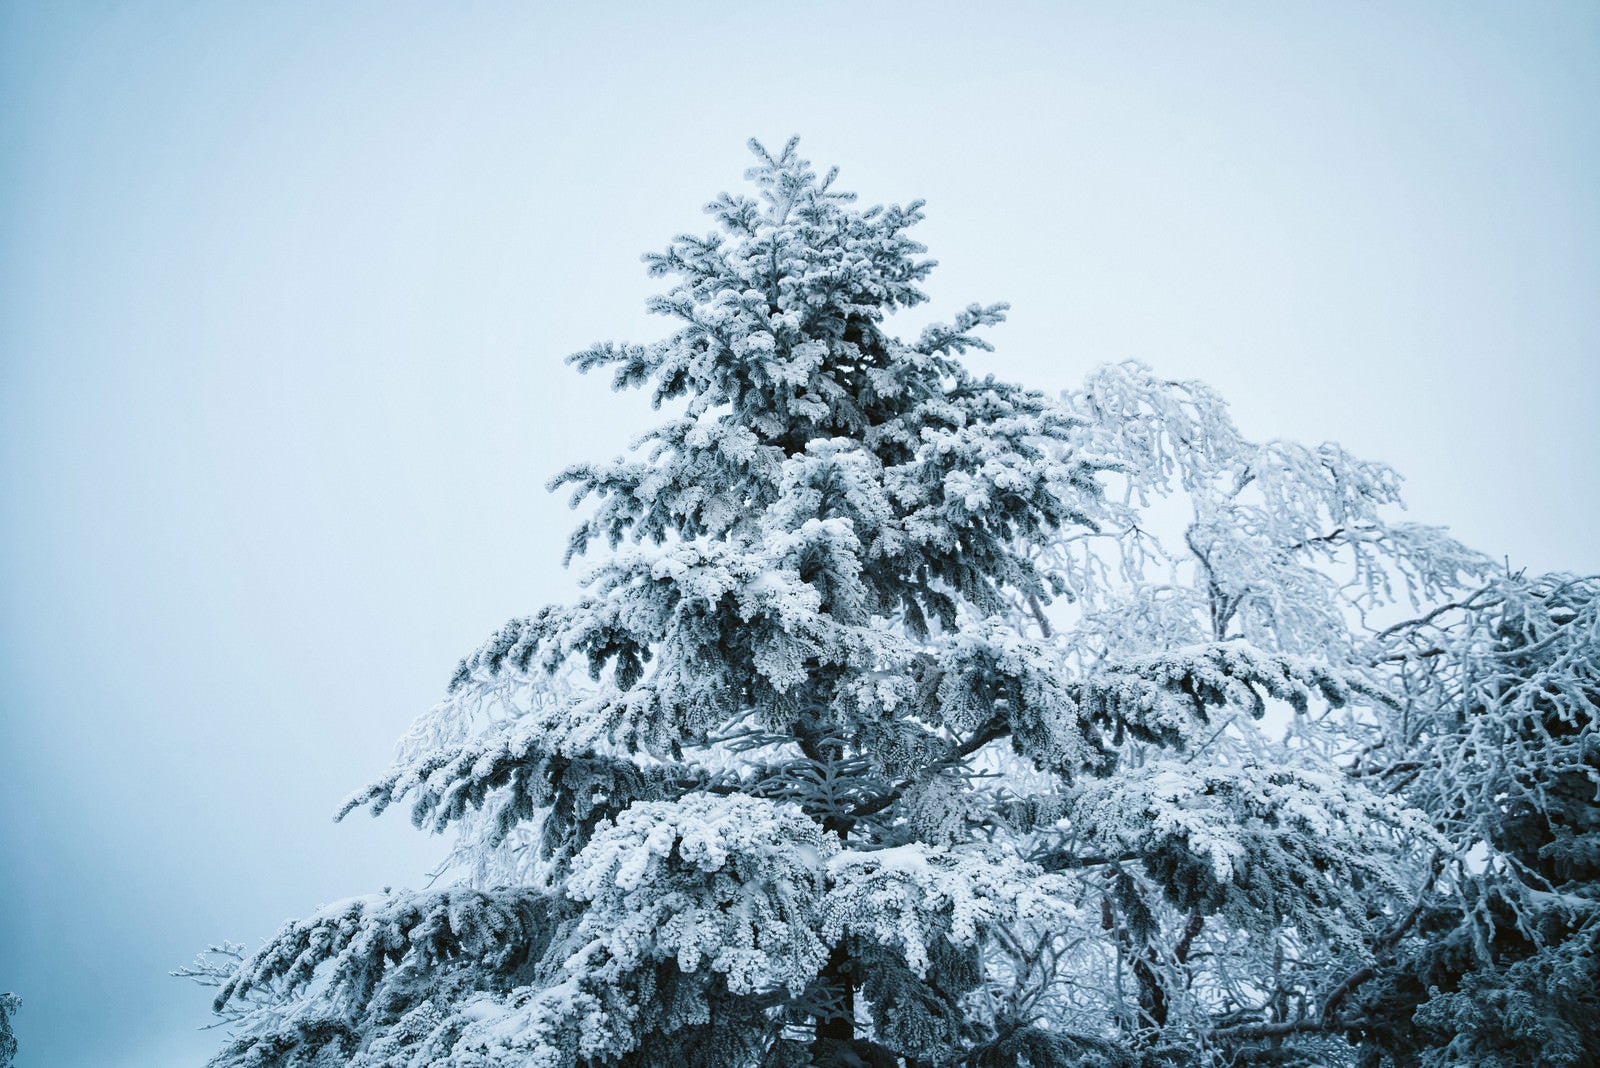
pixel 892 730
pixel 1218 559
pixel 1498 738
pixel 1478 762
pixel 9 1004
pixel 758 806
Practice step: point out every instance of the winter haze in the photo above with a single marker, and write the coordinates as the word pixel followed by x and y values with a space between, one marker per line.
pixel 287 289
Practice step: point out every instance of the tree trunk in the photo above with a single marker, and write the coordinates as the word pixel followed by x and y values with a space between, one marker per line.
pixel 840 1028
pixel 1152 991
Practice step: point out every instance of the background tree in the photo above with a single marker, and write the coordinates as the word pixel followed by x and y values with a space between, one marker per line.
pixel 1211 861
pixel 9 1004
pixel 1498 738
pixel 1486 728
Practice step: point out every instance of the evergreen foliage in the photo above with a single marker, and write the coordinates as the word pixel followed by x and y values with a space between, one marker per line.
pixel 915 718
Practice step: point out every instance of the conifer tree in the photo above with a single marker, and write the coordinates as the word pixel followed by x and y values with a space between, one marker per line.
pixel 753 811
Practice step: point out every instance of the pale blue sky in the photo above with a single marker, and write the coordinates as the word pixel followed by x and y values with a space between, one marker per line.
pixel 286 289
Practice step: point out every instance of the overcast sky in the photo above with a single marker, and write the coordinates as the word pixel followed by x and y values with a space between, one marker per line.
pixel 285 289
